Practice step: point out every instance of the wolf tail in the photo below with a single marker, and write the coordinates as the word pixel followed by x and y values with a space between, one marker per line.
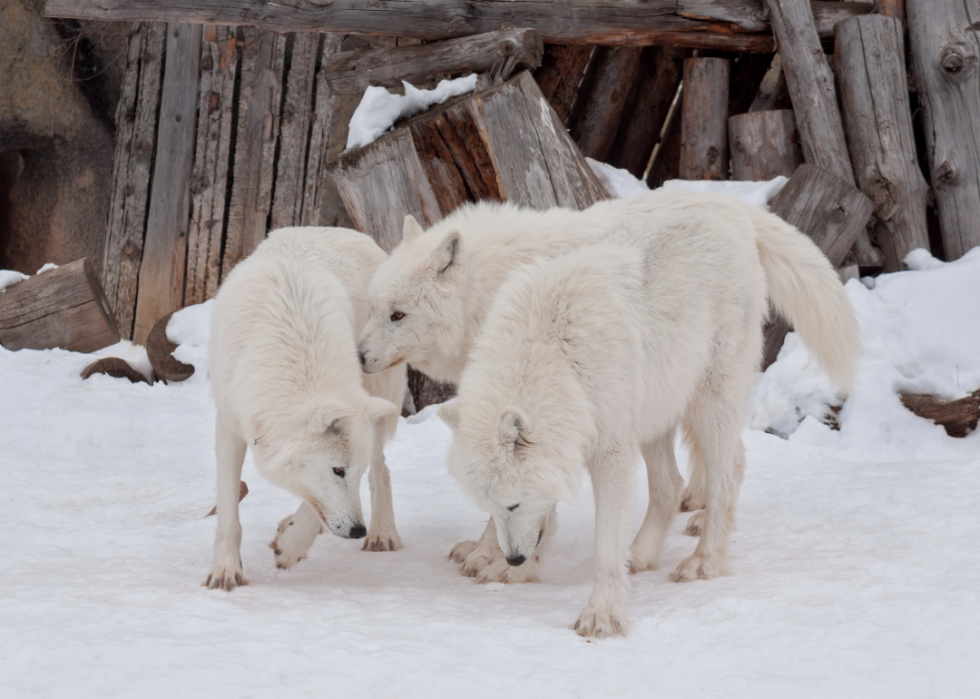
pixel 806 290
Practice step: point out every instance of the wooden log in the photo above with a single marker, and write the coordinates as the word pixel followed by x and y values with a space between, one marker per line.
pixel 352 71
pixel 890 8
pixel 764 145
pixel 161 279
pixel 561 74
pixel 116 368
pixel 212 159
pixel 666 159
pixel 958 417
pixel 136 133
pixel 602 98
pixel 704 135
pixel 870 54
pixel 257 133
pixel 498 144
pixel 773 93
pixel 944 57
pixel 737 25
pixel 159 350
pixel 660 75
pixel 64 307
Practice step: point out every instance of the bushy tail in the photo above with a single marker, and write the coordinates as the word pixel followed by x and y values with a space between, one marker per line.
pixel 807 291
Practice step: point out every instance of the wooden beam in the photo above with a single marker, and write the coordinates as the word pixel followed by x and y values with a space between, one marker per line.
pixel 737 25
pixel 161 281
pixel 704 116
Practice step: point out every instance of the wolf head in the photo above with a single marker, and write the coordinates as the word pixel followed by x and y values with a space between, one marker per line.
pixel 416 303
pixel 512 469
pixel 318 451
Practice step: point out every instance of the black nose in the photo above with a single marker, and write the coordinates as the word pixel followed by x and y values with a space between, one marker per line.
pixel 357 532
pixel 516 560
pixel 360 355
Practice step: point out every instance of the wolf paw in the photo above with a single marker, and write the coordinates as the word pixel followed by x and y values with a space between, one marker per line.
pixel 502 571
pixel 695 524
pixel 691 500
pixel 461 551
pixel 294 538
pixel 600 623
pixel 477 561
pixel 697 567
pixel 640 562
pixel 382 541
pixel 225 578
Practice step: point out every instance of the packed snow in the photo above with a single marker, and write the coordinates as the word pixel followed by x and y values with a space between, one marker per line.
pixel 379 109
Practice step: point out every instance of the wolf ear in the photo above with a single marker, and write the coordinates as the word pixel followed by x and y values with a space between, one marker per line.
pixel 513 426
pixel 449 255
pixel 449 413
pixel 329 417
pixel 411 229
pixel 378 408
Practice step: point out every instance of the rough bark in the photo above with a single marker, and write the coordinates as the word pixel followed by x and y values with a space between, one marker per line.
pixel 704 136
pixel 764 145
pixel 561 74
pixel 870 55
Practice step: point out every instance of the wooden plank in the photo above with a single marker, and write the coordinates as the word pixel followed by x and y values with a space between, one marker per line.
pixel 944 56
pixel 136 133
pixel 64 307
pixel 561 74
pixel 352 71
pixel 612 22
pixel 764 145
pixel 870 53
pixel 161 278
pixel 212 161
pixel 602 99
pixel 256 135
pixel 704 115
pixel 639 131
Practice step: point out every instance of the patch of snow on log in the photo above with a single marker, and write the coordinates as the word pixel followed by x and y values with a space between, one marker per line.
pixel 380 109
pixel 9 277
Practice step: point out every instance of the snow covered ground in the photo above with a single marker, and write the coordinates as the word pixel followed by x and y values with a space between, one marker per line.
pixel 855 566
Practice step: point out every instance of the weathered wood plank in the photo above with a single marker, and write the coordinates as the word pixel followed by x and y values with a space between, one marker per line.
pixel 161 279
pixel 561 74
pixel 257 133
pixel 870 55
pixel 704 115
pixel 212 161
pixel 136 133
pixel 945 53
pixel 602 99
pixel 64 308
pixel 764 145
pixel 612 22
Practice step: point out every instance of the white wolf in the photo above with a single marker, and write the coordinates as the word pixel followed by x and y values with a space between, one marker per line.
pixel 593 358
pixel 429 300
pixel 286 380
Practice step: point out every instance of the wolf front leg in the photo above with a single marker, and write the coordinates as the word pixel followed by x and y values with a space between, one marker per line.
pixel 382 534
pixel 612 484
pixel 226 568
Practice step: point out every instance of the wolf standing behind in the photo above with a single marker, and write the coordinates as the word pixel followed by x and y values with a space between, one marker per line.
pixel 594 358
pixel 287 384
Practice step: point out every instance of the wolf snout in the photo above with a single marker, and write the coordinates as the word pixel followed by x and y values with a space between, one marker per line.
pixel 358 531
pixel 516 560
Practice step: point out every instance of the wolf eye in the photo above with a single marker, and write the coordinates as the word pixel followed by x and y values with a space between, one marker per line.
pixel 339 471
pixel 514 507
pixel 397 315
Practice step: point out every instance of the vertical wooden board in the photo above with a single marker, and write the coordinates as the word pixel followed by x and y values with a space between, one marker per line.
pixel 294 131
pixel 136 132
pixel 561 74
pixel 945 56
pixel 704 115
pixel 212 158
pixel 161 277
pixel 764 145
pixel 441 171
pixel 257 132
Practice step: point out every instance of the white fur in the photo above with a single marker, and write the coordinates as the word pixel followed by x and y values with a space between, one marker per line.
pixel 286 381
pixel 596 357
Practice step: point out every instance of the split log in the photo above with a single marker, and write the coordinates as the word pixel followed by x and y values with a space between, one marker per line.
pixel 116 368
pixel 161 280
pixel 811 87
pixel 242 492
pixel 212 158
pixel 159 350
pixel 737 25
pixel 64 308
pixel 639 130
pixel 704 136
pixel 870 55
pixel 136 133
pixel 560 74
pixel 945 52
pixel 497 144
pixel 255 148
pixel 602 98
pixel 958 417
pixel 352 71
pixel 666 159
pixel 764 145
